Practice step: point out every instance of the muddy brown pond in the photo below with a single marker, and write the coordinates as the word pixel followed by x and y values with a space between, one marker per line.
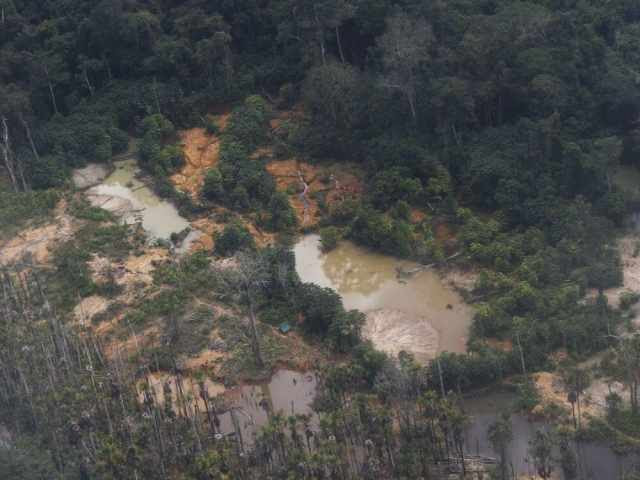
pixel 123 194
pixel 419 313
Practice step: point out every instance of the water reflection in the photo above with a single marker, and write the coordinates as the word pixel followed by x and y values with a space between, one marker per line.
pixel 288 393
pixel 424 312
pixel 595 462
pixel 127 196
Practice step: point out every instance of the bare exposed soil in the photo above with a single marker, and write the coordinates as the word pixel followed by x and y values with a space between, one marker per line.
pixel 90 175
pixel 393 331
pixel 593 401
pixel 88 308
pixel 35 243
pixel 210 227
pixel 135 276
pixel 117 205
pixel 460 278
pixel 201 152
pixel 335 183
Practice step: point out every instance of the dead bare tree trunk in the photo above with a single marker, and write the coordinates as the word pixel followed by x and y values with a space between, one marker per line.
pixel 339 41
pixel 85 75
pixel 51 92
pixel 320 34
pixel 7 153
pixel 254 330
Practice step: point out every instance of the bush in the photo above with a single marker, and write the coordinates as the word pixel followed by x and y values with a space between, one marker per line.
pixel 211 125
pixel 119 140
pixel 401 211
pixel 329 238
pixel 234 237
pixel 85 134
pixel 628 299
pixel 239 198
pixel 17 208
pixel 72 273
pixel 82 209
pixel 212 189
pixel 345 330
pixel 282 216
pixel 287 95
pixel 49 171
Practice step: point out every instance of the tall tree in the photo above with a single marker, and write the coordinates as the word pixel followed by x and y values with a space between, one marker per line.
pixel 500 434
pixel 405 46
pixel 575 380
pixel 541 450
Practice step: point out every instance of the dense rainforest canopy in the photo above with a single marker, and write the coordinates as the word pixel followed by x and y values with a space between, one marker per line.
pixel 503 117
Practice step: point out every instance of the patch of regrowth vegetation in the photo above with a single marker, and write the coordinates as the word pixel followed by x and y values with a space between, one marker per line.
pixel 241 363
pixel 628 299
pixel 241 182
pixel 191 274
pixel 16 209
pixel 82 209
pixel 70 280
pixel 249 123
pixel 165 304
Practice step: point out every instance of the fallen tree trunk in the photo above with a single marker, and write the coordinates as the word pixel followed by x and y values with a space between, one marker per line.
pixel 408 273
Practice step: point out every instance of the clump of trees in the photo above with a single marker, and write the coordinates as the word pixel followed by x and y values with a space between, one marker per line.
pixel 244 183
pixel 157 152
pixel 234 237
pixel 240 181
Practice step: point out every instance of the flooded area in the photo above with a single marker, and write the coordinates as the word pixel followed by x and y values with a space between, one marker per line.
pixel 124 195
pixel 419 314
pixel 288 393
pixel 247 407
pixel 595 461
